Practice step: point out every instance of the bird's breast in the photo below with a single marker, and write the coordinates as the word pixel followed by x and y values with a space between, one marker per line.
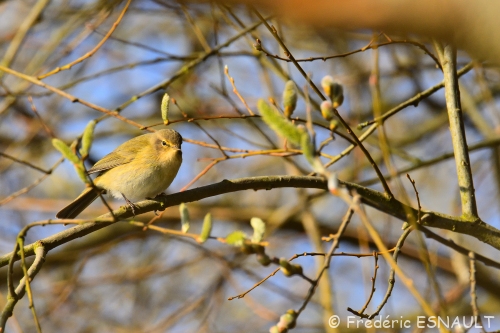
pixel 141 178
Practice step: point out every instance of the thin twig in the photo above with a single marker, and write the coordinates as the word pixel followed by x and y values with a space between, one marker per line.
pixel 197 31
pixel 255 285
pixel 363 49
pixel 311 254
pixel 32 185
pixel 246 116
pixel 188 67
pixel 407 282
pixel 374 165
pixel 40 252
pixel 425 163
pixel 473 295
pixel 173 232
pixel 392 278
pixel 20 240
pixel 91 52
pixel 198 176
pixel 419 207
pixel 201 128
pixel 273 31
pixel 208 145
pixel 48 172
pixel 236 92
pixel 72 98
pixel 375 123
pixel 124 67
pixel 372 292
pixel 328 257
pixel 423 251
pixel 44 124
pixel 415 99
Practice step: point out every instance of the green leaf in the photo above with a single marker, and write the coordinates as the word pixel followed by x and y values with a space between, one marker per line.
pixel 278 123
pixel 236 238
pixel 259 228
pixel 87 138
pixel 165 102
pixel 66 151
pixel 206 229
pixel 184 217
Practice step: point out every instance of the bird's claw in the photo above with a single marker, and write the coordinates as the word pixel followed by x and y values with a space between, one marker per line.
pixel 130 204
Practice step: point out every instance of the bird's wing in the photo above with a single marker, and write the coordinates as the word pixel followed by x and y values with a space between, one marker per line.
pixel 124 154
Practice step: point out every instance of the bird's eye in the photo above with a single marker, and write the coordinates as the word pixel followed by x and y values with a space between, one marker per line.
pixel 164 143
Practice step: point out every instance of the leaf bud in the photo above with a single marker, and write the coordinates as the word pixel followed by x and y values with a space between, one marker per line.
pixel 289 98
pixel 327 110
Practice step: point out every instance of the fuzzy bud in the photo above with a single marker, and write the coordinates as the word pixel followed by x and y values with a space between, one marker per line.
pixel 263 259
pixel 288 320
pixel 289 98
pixel 333 125
pixel 327 110
pixel 337 95
pixel 333 90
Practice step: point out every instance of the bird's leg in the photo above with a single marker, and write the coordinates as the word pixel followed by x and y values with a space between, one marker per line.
pixel 129 203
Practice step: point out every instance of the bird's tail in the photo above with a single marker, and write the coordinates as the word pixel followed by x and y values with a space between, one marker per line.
pixel 79 204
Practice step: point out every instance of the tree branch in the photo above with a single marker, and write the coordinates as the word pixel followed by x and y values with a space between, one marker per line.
pixel 479 229
pixel 39 250
pixel 457 130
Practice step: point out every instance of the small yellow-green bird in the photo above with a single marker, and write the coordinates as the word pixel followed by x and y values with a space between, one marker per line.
pixel 142 167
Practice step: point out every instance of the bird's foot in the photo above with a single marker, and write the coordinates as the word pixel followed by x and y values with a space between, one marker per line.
pixel 130 204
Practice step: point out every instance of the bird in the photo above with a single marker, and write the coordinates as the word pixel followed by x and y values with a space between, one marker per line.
pixel 142 167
